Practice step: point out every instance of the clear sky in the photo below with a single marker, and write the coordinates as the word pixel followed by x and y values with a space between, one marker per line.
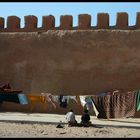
pixel 21 9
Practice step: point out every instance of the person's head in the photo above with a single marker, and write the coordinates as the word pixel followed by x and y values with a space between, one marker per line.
pixel 71 110
pixel 85 111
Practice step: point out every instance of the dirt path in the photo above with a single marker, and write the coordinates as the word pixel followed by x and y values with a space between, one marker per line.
pixel 8 129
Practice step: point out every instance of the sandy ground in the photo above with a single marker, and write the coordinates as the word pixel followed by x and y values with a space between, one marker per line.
pixel 16 124
pixel 22 129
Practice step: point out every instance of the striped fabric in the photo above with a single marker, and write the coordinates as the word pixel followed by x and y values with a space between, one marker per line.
pixel 116 106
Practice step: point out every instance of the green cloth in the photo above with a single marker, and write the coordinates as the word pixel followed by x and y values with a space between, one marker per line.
pixel 138 100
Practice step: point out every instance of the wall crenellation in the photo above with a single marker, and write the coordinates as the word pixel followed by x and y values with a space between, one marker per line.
pixel 66 23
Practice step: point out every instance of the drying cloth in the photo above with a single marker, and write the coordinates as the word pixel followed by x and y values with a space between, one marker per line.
pixel 62 102
pixel 86 102
pixel 8 97
pixel 95 109
pixel 22 99
pixel 35 98
pixel 116 106
pixel 73 98
pixel 68 98
pixel 138 100
pixel 54 100
pixel 49 97
pixel 83 100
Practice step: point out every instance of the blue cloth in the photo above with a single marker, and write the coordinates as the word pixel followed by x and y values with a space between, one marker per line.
pixel 22 99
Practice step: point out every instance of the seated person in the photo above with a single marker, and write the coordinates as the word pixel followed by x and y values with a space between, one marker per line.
pixel 70 117
pixel 85 119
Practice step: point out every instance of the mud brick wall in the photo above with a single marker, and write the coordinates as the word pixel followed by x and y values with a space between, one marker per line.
pixel 70 60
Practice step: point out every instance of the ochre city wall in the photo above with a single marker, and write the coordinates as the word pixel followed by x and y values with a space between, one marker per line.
pixel 70 60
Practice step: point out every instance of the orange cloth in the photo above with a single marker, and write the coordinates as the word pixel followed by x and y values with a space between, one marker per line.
pixel 36 98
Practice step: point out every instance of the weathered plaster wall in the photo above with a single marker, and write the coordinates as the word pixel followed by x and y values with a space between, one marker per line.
pixel 71 62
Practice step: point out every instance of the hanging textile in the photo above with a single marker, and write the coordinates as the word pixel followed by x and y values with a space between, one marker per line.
pixel 89 103
pixel 94 108
pixel 82 100
pixel 73 98
pixel 50 98
pixel 68 98
pixel 116 106
pixel 8 97
pixel 35 98
pixel 86 102
pixel 138 100
pixel 62 101
pixel 23 99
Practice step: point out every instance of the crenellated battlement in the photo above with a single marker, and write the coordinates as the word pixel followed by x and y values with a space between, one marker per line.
pixel 66 23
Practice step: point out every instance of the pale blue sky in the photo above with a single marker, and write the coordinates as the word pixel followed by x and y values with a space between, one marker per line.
pixel 21 9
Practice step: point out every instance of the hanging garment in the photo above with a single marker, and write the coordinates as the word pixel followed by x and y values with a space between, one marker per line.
pixel 49 97
pixel 115 106
pixel 94 108
pixel 86 102
pixel 62 101
pixel 65 98
pixel 23 99
pixel 73 98
pixel 138 100
pixel 35 98
pixel 8 97
pixel 82 100
pixel 101 103
pixel 55 99
pixel 68 98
